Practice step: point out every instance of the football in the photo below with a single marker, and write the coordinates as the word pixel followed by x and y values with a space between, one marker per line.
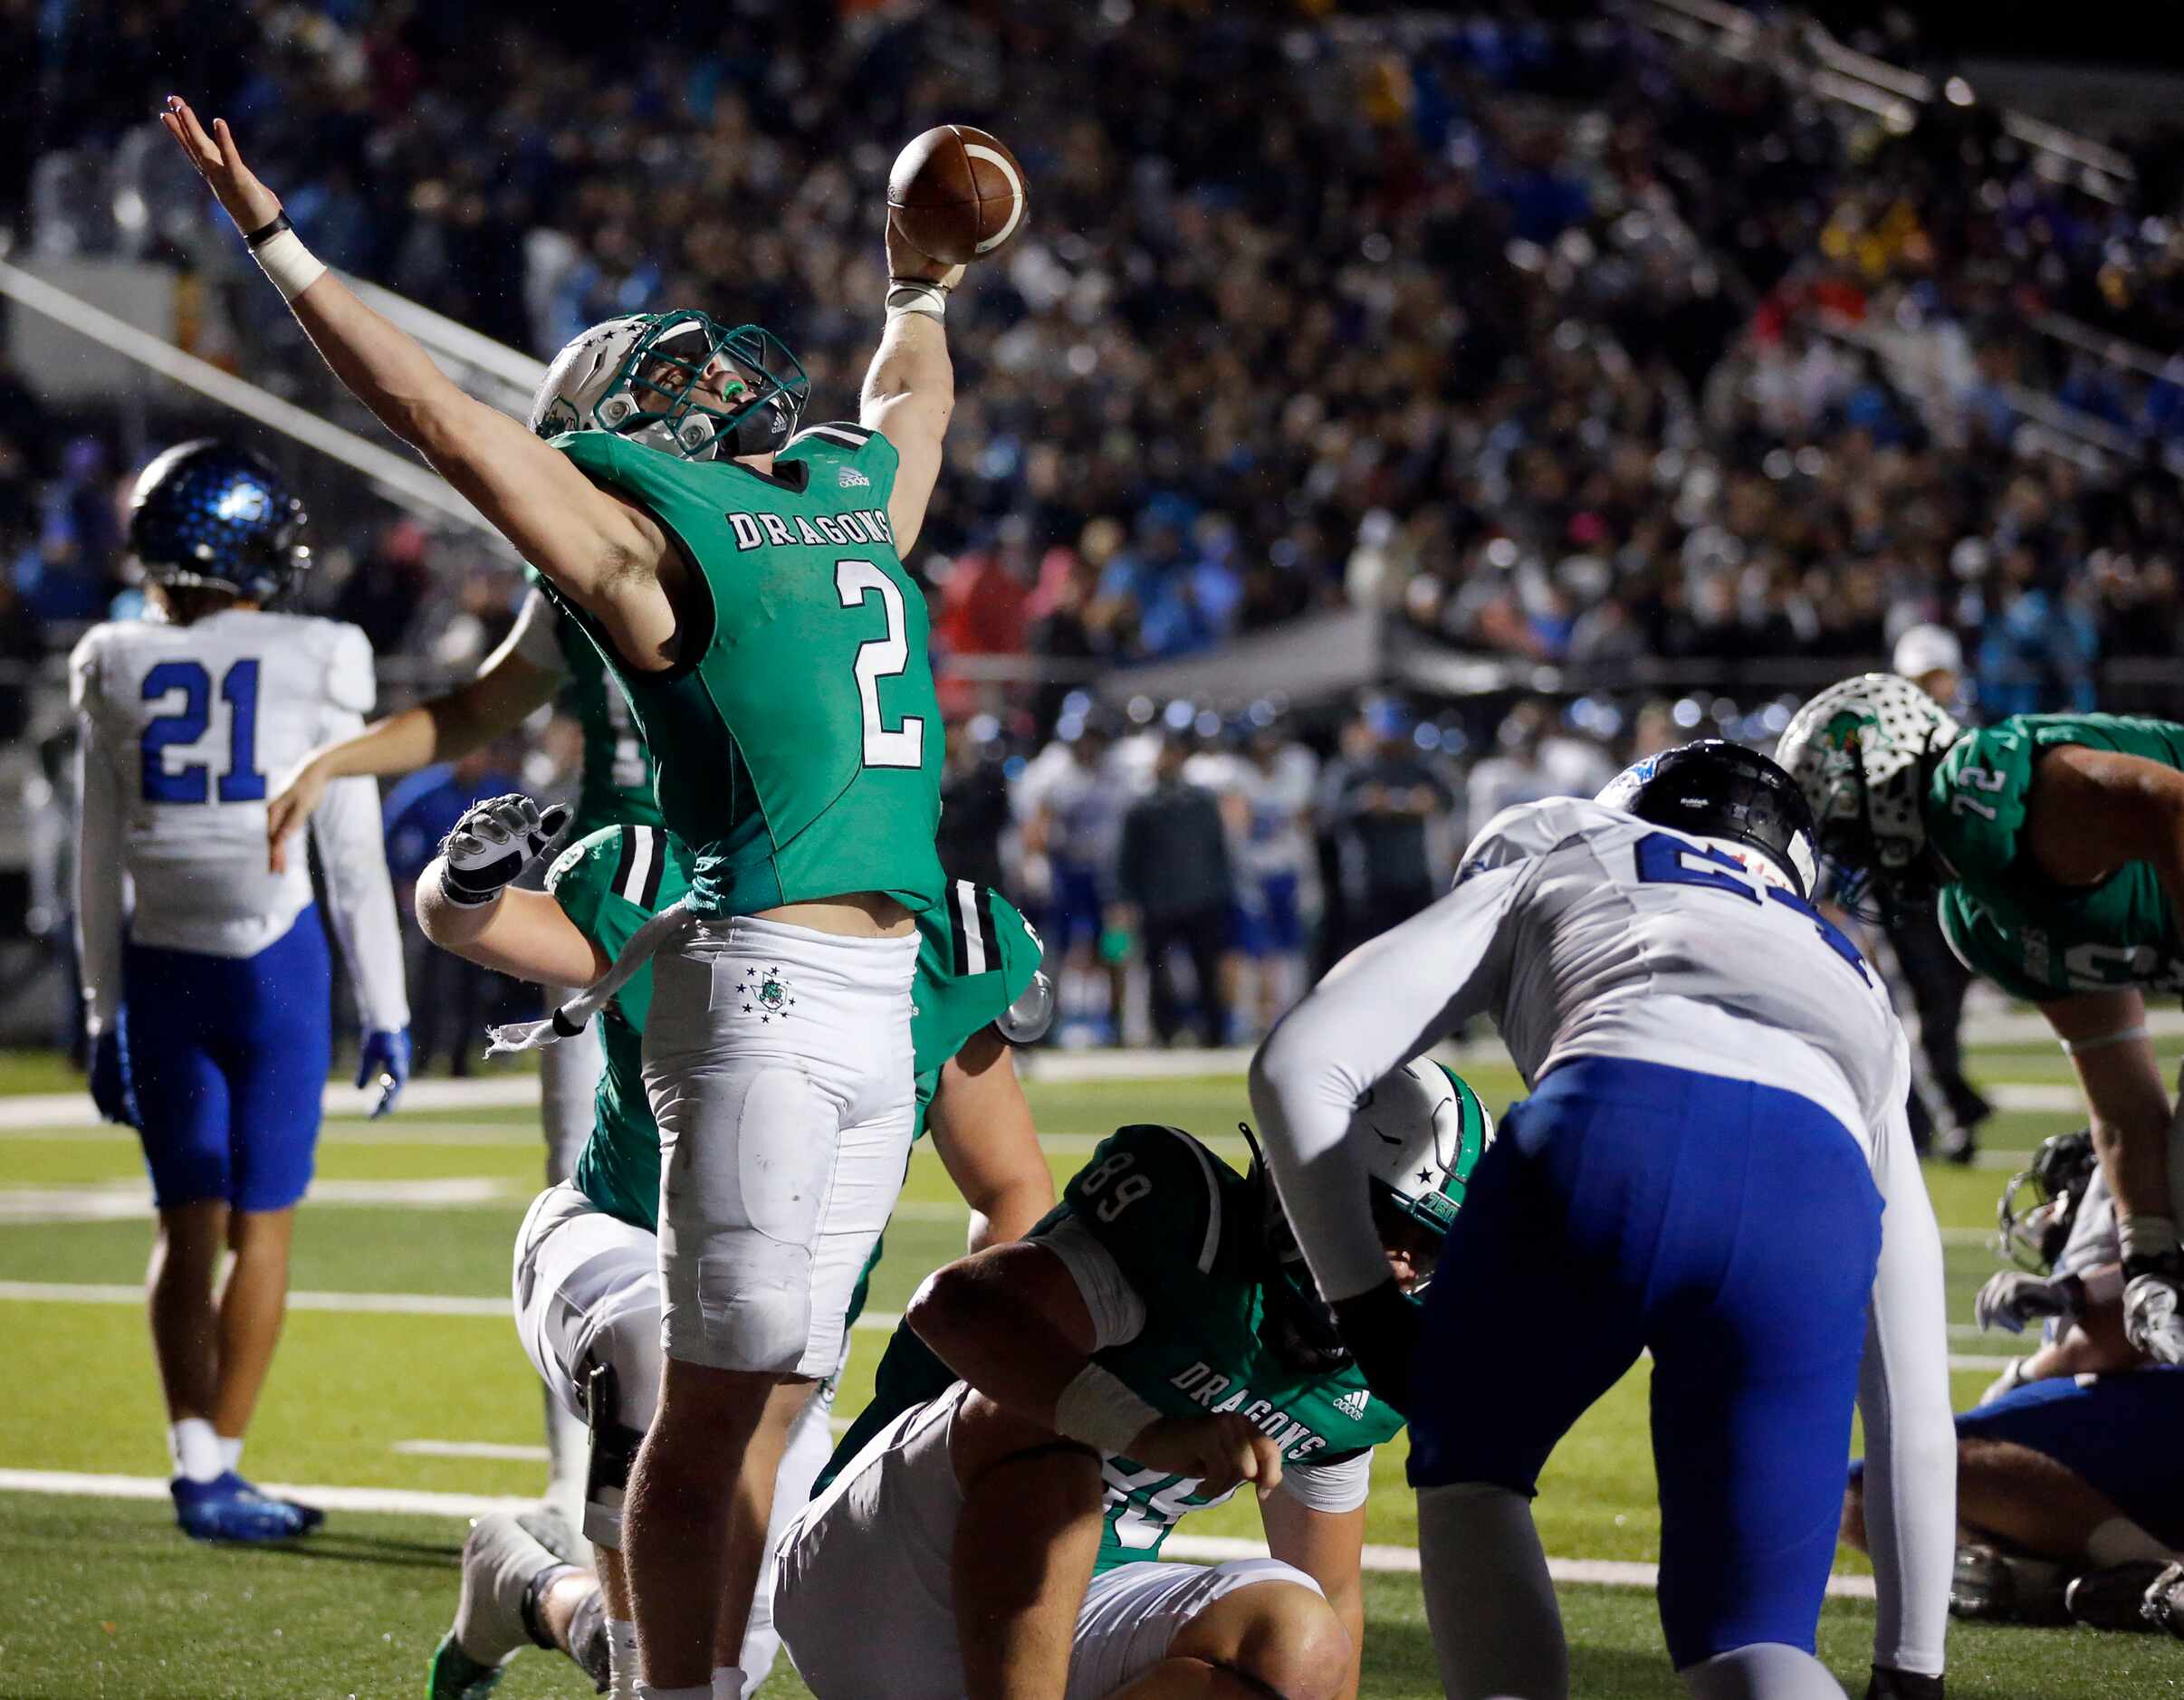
pixel 956 193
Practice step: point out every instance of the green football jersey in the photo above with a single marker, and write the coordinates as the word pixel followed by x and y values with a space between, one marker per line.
pixel 2007 920
pixel 610 883
pixel 617 784
pixel 1185 1229
pixel 796 743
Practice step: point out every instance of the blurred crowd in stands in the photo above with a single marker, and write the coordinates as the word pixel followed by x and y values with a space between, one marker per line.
pixel 1557 342
pixel 1566 344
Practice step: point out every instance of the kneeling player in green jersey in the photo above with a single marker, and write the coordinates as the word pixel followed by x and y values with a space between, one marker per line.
pixel 2054 846
pixel 744 582
pixel 1154 1344
pixel 586 1278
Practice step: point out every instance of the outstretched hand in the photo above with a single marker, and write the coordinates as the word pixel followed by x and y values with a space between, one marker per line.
pixel 248 202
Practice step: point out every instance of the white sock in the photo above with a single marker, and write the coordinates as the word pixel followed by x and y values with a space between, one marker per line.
pixel 2119 1540
pixel 727 1683
pixel 230 1453
pixel 195 1449
pixel 622 1661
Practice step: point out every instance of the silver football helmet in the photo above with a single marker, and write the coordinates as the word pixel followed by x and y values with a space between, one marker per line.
pixel 1861 751
pixel 639 377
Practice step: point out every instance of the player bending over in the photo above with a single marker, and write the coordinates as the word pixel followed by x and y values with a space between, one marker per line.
pixel 1156 1343
pixel 2067 1481
pixel 1718 1117
pixel 743 582
pixel 587 1281
pixel 2056 843
pixel 208 1003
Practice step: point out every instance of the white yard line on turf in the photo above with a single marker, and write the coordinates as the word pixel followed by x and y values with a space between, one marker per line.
pixel 123 1200
pixel 1610 1572
pixel 473 1449
pixel 356 1303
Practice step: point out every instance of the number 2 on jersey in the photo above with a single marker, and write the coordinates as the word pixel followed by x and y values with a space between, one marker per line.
pixel 857 581
pixel 242 783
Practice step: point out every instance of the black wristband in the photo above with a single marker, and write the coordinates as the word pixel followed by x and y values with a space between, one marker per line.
pixel 460 898
pixel 265 233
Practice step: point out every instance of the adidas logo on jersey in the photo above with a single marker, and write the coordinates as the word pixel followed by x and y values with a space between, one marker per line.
pixel 1353 1404
pixel 851 476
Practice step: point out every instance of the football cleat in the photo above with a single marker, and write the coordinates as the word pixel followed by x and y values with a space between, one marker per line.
pixel 2115 1598
pixel 1992 1587
pixel 501 1559
pixel 228 1508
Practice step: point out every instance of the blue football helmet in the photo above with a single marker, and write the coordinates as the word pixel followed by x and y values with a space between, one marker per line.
pixel 207 512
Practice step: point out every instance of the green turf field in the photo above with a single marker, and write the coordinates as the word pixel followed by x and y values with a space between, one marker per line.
pixel 105 1599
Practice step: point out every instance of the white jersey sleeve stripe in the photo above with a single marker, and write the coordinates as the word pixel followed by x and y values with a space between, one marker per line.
pixel 642 859
pixel 1212 1246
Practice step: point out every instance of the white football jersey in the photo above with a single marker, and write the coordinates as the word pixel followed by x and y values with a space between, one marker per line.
pixel 1087 803
pixel 1599 934
pixel 1280 799
pixel 187 730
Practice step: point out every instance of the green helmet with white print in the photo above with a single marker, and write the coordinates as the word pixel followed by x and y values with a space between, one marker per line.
pixel 678 382
pixel 1861 752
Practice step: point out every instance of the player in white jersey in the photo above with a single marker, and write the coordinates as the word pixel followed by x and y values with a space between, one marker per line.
pixel 1276 782
pixel 208 1001
pixel 1717 1120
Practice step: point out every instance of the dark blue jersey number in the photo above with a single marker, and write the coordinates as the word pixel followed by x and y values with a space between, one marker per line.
pixel 242 783
pixel 1665 859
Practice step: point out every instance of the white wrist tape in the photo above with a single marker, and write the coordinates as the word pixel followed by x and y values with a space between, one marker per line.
pixel 2122 1036
pixel 1097 1408
pixel 292 266
pixel 911 295
pixel 2147 1236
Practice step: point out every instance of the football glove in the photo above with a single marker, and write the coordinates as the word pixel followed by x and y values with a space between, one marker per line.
pixel 111 1088
pixel 2153 1296
pixel 494 842
pixel 1901 1684
pixel 2016 1296
pixel 1381 1329
pixel 387 1054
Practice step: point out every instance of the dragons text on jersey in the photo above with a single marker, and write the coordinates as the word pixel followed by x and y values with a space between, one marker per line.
pixel 797 743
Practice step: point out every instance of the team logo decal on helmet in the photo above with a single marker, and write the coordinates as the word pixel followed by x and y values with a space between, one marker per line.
pixel 1862 751
pixel 675 381
pixel 207 512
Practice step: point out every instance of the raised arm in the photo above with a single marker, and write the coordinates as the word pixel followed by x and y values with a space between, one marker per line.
pixel 605 552
pixel 983 1129
pixel 516 679
pixel 910 389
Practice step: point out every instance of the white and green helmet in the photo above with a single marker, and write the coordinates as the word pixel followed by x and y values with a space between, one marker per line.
pixel 1423 1130
pixel 637 376
pixel 1862 751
